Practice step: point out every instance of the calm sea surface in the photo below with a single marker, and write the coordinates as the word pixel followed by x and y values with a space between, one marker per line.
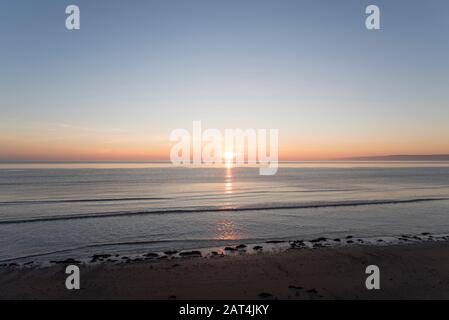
pixel 49 210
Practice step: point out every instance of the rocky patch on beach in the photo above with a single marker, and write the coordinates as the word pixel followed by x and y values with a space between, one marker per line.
pixel 190 254
pixel 66 261
pixel 241 249
pixel 9 265
pixel 297 244
pixel 100 257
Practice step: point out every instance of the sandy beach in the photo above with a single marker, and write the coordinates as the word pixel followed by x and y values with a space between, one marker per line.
pixel 408 271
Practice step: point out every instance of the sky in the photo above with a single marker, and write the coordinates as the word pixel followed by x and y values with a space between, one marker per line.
pixel 136 70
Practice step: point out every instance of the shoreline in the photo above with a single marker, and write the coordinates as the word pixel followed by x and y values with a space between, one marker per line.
pixel 410 270
pixel 237 248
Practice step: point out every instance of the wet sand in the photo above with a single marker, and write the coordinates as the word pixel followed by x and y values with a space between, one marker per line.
pixel 408 271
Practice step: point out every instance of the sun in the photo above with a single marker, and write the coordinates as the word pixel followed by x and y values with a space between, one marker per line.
pixel 228 156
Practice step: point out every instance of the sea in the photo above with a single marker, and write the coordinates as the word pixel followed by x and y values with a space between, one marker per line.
pixel 59 210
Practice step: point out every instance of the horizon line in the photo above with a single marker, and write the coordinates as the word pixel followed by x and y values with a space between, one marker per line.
pixel 394 157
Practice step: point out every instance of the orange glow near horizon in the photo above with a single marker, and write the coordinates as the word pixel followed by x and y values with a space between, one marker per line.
pixel 130 148
pixel 162 154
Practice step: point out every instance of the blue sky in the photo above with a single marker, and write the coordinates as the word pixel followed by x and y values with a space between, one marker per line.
pixel 138 69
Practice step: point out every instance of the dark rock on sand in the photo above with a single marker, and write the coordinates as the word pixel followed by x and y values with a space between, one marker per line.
pixel 349 237
pixel 171 252
pixel 241 246
pixel 69 260
pixel 275 241
pixel 318 240
pixel 257 248
pixel 230 249
pixel 101 256
pixel 190 254
pixel 297 244
pixel 151 255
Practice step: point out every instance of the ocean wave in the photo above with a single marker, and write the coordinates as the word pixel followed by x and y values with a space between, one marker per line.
pixel 202 196
pixel 261 207
pixel 80 200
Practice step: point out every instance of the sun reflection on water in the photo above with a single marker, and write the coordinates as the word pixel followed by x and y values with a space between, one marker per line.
pixel 227 230
pixel 228 181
